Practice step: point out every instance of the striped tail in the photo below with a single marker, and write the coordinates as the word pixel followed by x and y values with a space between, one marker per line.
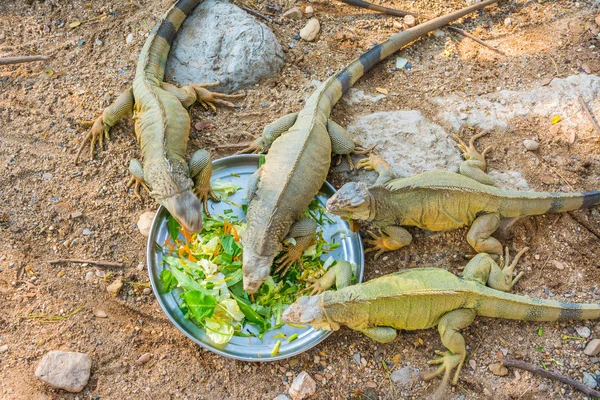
pixel 357 68
pixel 512 306
pixel 153 57
pixel 517 204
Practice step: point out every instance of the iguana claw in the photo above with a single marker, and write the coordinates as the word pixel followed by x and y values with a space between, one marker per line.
pixel 136 189
pixel 203 192
pixel 316 287
pixel 209 99
pixel 447 362
pixel 287 261
pixel 99 130
pixel 255 147
pixel 380 244
pixel 470 149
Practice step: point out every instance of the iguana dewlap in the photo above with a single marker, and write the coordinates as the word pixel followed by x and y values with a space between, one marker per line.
pixel 162 127
pixel 444 200
pixel 299 155
pixel 422 298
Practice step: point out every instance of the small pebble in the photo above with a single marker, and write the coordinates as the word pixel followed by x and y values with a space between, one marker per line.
pixel 144 223
pixel 498 369
pixel 144 358
pixel 592 348
pixel 86 232
pixel 589 380
pixel 438 33
pixel 531 145
pixel 3 348
pixel 281 397
pixel 473 364
pixel 403 376
pixel 100 313
pixel 98 42
pixel 147 290
pixel 398 25
pixel 76 214
pixel 309 11
pixel 89 276
pixel 401 62
pixel 129 38
pixel 293 13
pixel 507 22
pixel 410 20
pixel 356 357
pixel 310 30
pixel 583 331
pixel 47 176
pixel 303 386
pixel 114 288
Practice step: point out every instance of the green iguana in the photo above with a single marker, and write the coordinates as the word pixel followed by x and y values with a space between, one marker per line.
pixel 299 155
pixel 421 298
pixel 162 127
pixel 443 200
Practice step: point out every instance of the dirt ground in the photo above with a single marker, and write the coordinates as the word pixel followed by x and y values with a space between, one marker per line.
pixel 51 208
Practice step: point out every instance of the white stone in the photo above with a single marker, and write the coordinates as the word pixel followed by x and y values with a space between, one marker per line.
pixel 144 223
pixel 302 387
pixel 129 38
pixel 592 348
pixel 410 20
pixel 404 376
pixel 309 11
pixel 310 30
pixel 531 145
pixel 583 331
pixel 65 370
pixel 220 41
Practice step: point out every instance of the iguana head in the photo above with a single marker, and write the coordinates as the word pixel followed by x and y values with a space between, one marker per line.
pixel 307 310
pixel 186 209
pixel 353 201
pixel 256 269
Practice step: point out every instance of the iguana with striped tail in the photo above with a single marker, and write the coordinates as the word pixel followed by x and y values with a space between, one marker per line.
pixel 299 149
pixel 162 127
pixel 422 298
pixel 444 200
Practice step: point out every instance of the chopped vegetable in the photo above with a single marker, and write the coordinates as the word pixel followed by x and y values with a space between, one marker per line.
pixel 206 271
pixel 276 348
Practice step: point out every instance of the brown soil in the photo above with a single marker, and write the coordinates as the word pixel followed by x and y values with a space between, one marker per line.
pixel 42 188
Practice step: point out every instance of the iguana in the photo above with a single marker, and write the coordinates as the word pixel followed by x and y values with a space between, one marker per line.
pixel 443 200
pixel 299 149
pixel 162 127
pixel 421 298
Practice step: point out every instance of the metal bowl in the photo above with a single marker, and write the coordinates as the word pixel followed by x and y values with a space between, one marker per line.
pixel 243 348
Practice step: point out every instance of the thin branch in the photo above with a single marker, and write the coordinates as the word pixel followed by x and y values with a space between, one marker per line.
pixel 260 15
pixel 588 113
pixel 475 38
pixel 375 7
pixel 93 262
pixel 22 59
pixel 552 375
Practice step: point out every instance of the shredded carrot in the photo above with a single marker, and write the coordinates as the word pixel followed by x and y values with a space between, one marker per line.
pixel 236 236
pixel 186 235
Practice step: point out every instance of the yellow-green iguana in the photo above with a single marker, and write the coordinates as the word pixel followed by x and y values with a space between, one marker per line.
pixel 443 200
pixel 421 298
pixel 162 127
pixel 299 155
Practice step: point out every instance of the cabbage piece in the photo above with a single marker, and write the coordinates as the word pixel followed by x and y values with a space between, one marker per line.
pixel 233 310
pixel 218 330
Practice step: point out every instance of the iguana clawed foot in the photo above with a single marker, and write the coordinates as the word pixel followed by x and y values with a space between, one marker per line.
pixel 99 130
pixel 210 99
pixel 255 147
pixel 136 188
pixel 509 268
pixel 381 244
pixel 470 150
pixel 293 252
pixel 447 362
pixel 317 286
pixel 204 192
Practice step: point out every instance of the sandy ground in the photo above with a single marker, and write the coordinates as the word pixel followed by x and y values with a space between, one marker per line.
pixel 42 188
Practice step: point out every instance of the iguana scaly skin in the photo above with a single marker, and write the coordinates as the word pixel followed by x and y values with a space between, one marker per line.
pixel 443 200
pixel 299 155
pixel 421 298
pixel 162 127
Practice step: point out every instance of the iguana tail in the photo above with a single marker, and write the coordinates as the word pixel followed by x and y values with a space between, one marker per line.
pixel 512 306
pixel 344 79
pixel 517 204
pixel 153 57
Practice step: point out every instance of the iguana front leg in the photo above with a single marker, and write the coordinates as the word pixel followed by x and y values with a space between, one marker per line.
pixel 449 326
pixel 484 270
pixel 270 133
pixel 377 163
pixel 302 232
pixel 137 177
pixel 200 172
pixel 479 235
pixel 474 165
pixel 339 275
pixel 381 334
pixel 392 238
pixel 121 108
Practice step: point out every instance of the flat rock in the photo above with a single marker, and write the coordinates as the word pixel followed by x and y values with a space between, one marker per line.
pixel 65 370
pixel 293 13
pixel 311 30
pixel 583 331
pixel 592 348
pixel 590 380
pixel 404 376
pixel 302 387
pixel 144 223
pixel 219 41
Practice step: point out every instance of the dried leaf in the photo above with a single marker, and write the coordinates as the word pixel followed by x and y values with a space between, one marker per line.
pixel 397 358
pixel 49 72
pixel 382 90
pixel 558 264
pixel 556 119
pixel 570 134
pixel 74 24
pixel 203 125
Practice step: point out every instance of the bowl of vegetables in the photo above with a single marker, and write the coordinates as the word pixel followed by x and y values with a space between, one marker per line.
pixel 197 279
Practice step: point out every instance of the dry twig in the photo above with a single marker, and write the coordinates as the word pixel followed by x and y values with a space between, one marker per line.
pixel 475 38
pixel 260 15
pixel 93 262
pixel 22 59
pixel 552 375
pixel 589 115
pixel 375 7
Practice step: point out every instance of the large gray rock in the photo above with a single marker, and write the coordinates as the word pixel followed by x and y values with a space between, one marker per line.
pixel 219 41
pixel 65 370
